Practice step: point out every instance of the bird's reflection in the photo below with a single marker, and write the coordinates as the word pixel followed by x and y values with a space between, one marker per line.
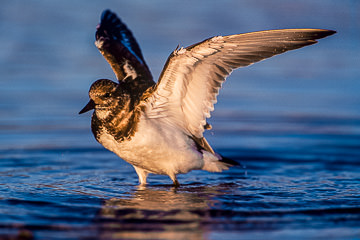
pixel 160 213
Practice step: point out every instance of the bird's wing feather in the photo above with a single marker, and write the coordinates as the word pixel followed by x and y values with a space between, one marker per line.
pixel 192 77
pixel 119 47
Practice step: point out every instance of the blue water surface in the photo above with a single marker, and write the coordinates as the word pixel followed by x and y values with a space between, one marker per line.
pixel 293 122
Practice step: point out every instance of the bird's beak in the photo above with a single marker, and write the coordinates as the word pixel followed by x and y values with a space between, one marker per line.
pixel 88 107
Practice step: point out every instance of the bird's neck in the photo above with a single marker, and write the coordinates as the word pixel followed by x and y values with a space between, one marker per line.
pixel 120 123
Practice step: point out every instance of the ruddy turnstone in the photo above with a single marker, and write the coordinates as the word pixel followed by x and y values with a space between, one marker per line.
pixel 158 127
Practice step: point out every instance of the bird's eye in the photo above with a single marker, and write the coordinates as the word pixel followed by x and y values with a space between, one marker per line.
pixel 107 95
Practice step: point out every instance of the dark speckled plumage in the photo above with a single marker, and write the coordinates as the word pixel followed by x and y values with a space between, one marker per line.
pixel 122 115
pixel 116 42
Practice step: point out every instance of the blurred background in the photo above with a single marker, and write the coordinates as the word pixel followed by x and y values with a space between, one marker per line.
pixel 293 121
pixel 48 61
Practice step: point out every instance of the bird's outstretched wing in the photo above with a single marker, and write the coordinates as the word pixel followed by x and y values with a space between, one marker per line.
pixel 119 47
pixel 190 81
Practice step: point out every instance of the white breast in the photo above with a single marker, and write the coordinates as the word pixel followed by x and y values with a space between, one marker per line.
pixel 157 148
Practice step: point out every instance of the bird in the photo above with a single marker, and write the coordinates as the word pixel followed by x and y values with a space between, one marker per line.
pixel 158 127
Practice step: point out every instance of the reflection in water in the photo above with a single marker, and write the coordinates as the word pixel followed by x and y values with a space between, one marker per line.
pixel 159 213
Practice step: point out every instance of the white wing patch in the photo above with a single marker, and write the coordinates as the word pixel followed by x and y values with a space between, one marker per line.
pixel 129 70
pixel 99 43
pixel 216 39
pixel 180 51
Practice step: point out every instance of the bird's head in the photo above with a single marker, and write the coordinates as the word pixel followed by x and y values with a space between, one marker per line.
pixel 103 96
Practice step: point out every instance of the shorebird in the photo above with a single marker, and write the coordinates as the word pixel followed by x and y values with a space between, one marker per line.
pixel 158 127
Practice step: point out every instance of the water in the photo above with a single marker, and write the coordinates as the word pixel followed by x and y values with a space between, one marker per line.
pixel 292 121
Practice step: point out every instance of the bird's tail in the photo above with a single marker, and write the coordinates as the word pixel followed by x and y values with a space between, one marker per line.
pixel 217 163
pixel 228 161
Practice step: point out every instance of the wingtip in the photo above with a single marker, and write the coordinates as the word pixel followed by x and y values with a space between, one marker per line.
pixel 327 32
pixel 108 26
pixel 316 33
pixel 105 14
pixel 312 33
pixel 331 32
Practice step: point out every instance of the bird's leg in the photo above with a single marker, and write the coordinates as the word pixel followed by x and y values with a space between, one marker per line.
pixel 142 175
pixel 175 181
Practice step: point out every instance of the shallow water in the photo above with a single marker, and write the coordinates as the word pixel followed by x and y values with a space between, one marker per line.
pixel 293 122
